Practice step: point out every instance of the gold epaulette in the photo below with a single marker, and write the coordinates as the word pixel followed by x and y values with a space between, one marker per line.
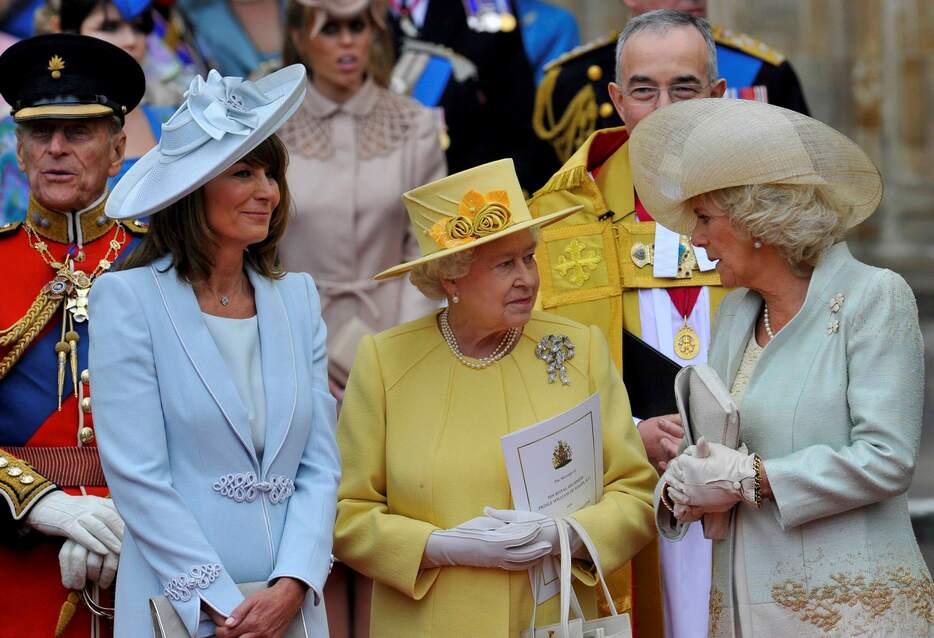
pixel 20 485
pixel 581 50
pixel 563 180
pixel 136 227
pixel 747 44
pixel 9 227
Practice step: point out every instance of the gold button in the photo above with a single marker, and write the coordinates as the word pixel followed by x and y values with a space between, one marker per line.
pixel 26 479
pixel 606 110
pixel 85 376
pixel 86 435
pixel 14 471
pixel 3 461
pixel 594 73
pixel 86 404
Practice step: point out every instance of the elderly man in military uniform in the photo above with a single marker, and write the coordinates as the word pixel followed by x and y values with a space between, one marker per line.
pixel 610 265
pixel 572 100
pixel 61 535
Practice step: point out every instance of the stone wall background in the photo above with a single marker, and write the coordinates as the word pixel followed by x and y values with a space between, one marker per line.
pixel 867 68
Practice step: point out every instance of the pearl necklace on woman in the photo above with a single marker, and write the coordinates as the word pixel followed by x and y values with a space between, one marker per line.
pixel 512 335
pixel 765 320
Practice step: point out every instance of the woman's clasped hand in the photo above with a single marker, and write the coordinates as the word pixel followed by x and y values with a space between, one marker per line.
pixel 709 477
pixel 264 614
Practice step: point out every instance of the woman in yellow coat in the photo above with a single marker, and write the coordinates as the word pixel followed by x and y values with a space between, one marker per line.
pixel 427 403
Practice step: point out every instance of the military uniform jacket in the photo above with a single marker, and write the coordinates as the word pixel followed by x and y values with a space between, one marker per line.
pixel 40 445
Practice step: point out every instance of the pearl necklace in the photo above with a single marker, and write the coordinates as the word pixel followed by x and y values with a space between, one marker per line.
pixel 768 326
pixel 512 335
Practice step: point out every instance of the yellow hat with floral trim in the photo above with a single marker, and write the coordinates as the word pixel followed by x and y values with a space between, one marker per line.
pixel 468 209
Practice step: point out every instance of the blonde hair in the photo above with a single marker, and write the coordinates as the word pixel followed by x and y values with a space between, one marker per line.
pixel 800 220
pixel 427 276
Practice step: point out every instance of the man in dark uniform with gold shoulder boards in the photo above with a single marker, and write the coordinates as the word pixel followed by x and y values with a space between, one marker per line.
pixel 572 100
pixel 649 291
pixel 61 536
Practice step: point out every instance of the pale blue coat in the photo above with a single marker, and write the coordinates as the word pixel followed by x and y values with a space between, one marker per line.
pixel 176 447
pixel 834 410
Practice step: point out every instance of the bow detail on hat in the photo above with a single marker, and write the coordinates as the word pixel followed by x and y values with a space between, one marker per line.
pixel 224 105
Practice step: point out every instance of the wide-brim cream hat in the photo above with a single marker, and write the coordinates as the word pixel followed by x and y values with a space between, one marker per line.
pixel 221 120
pixel 699 146
pixel 466 210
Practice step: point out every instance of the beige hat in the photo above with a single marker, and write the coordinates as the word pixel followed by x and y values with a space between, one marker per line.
pixel 468 209
pixel 343 9
pixel 698 146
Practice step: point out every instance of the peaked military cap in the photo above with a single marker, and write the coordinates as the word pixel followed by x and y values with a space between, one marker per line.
pixel 68 76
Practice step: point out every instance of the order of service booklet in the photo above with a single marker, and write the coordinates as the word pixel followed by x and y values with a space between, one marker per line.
pixel 555 468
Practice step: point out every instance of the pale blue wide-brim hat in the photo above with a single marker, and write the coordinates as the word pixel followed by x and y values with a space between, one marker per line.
pixel 221 120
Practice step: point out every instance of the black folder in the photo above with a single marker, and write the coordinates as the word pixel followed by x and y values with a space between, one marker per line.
pixel 649 377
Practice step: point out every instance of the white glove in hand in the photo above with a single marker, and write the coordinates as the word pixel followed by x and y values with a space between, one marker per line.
pixel 78 566
pixel 91 521
pixel 711 477
pixel 549 529
pixel 486 542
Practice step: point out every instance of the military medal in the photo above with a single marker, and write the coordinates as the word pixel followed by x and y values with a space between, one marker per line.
pixel 490 16
pixel 687 343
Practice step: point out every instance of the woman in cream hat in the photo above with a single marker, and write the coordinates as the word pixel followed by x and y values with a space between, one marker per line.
pixel 822 353
pixel 214 421
pixel 427 403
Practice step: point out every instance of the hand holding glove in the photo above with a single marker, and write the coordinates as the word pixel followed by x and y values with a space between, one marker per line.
pixel 709 477
pixel 549 528
pixel 90 521
pixel 486 542
pixel 78 566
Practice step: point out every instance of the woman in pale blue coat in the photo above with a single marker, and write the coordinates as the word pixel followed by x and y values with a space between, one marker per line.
pixel 823 355
pixel 215 425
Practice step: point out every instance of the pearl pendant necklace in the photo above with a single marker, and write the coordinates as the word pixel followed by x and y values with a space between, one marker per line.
pixel 512 335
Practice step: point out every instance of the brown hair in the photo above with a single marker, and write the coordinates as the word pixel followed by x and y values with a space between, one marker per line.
pixel 182 227
pixel 301 18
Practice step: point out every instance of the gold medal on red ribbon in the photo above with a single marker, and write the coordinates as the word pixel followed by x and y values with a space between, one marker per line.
pixel 687 343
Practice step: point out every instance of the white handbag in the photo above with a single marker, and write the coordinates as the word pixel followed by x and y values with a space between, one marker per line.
pixel 614 626
pixel 167 624
pixel 707 409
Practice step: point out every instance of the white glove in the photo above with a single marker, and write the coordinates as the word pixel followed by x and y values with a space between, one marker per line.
pixel 549 528
pixel 712 478
pixel 684 513
pixel 486 542
pixel 91 521
pixel 78 565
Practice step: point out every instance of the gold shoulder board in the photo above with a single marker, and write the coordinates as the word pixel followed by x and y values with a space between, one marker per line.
pixel 578 51
pixel 748 44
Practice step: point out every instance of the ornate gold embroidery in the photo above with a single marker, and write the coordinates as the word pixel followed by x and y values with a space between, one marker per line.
pixel 577 262
pixel 822 606
pixel 715 610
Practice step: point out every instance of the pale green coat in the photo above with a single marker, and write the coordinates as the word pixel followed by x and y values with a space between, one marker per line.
pixel 834 410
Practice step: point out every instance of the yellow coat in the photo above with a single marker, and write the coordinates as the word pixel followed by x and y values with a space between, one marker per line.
pixel 420 446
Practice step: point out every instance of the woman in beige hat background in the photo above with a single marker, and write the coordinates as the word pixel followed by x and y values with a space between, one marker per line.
pixel 427 403
pixel 354 148
pixel 822 353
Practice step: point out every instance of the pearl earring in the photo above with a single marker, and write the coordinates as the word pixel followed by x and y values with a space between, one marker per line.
pixel 757 244
pixel 455 298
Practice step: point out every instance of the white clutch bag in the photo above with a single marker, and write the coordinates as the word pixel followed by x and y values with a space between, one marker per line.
pixel 167 624
pixel 614 626
pixel 707 409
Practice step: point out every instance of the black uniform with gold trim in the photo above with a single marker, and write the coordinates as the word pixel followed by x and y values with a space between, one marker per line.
pixel 572 100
